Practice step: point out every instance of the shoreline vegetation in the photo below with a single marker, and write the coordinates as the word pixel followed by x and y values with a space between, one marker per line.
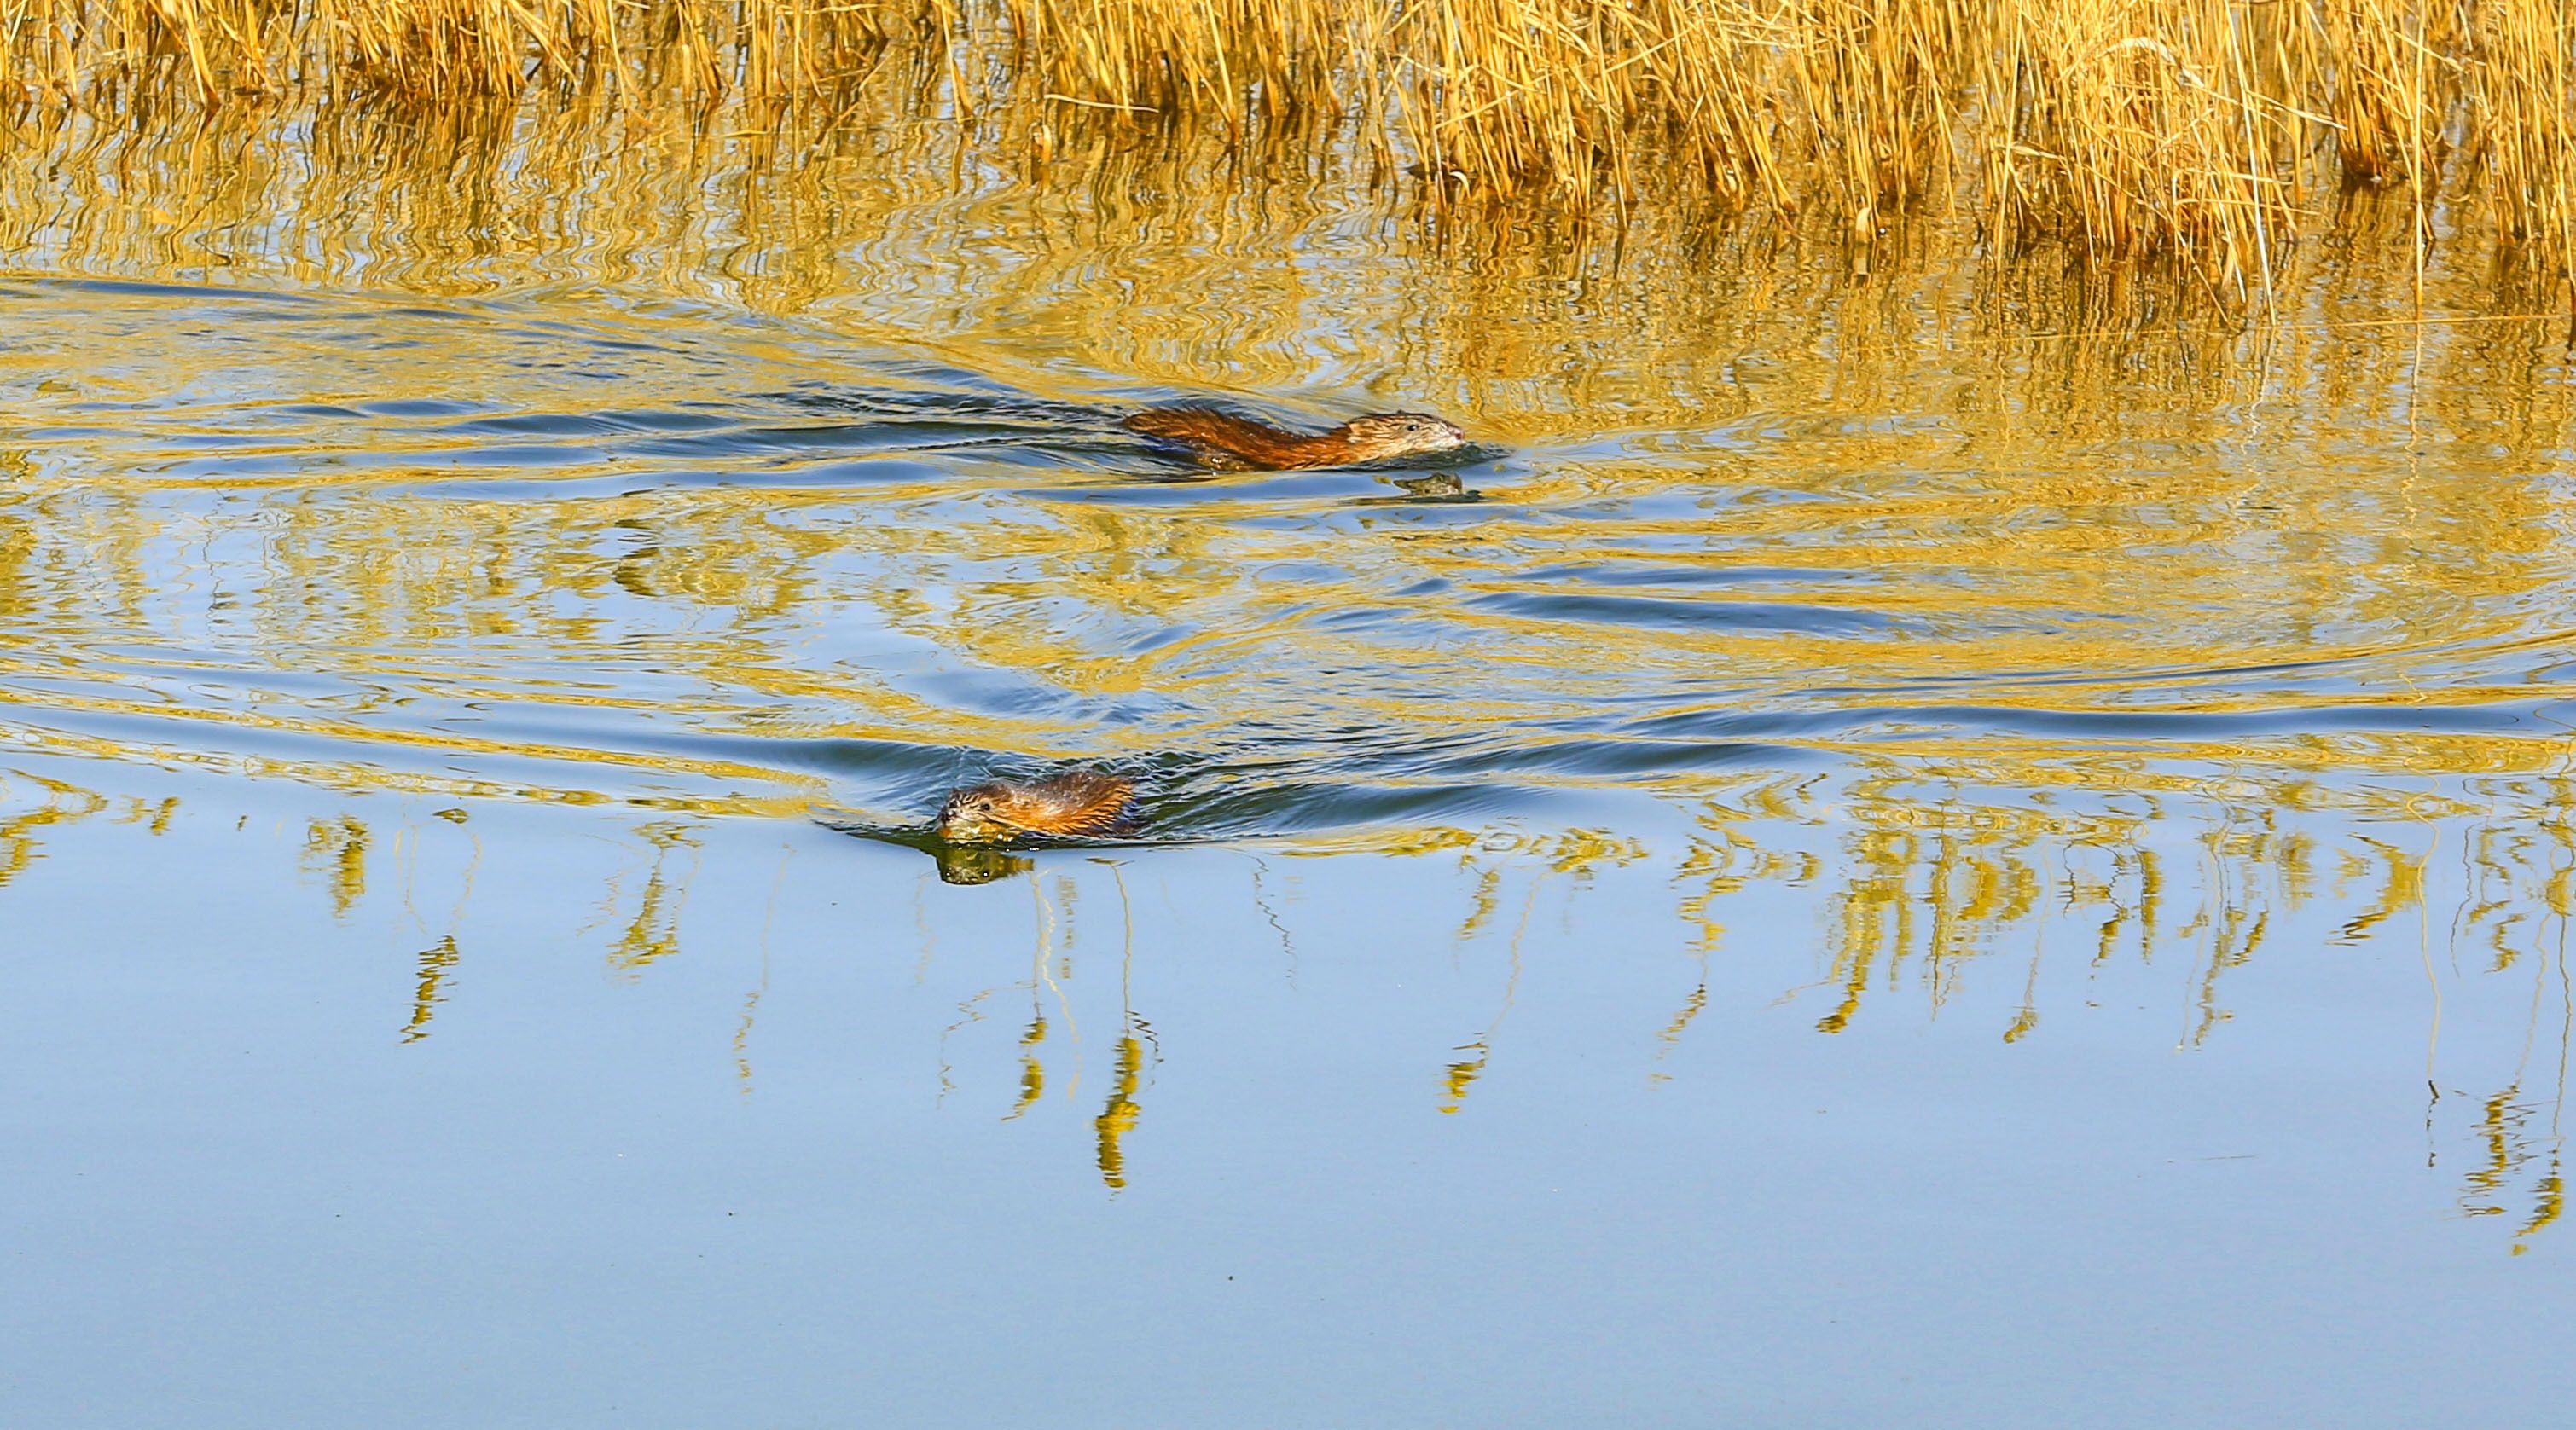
pixel 2203 136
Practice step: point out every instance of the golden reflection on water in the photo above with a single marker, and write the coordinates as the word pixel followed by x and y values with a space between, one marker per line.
pixel 1176 263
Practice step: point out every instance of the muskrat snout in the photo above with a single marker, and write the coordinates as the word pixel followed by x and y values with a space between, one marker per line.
pixel 971 816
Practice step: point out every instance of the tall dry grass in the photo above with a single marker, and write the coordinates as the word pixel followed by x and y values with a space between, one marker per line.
pixel 227 49
pixel 2205 131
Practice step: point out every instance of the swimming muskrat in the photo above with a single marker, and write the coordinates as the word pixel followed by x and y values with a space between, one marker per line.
pixel 1228 443
pixel 1073 804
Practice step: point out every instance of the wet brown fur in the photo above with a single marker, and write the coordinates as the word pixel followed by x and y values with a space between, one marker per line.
pixel 1075 804
pixel 1228 443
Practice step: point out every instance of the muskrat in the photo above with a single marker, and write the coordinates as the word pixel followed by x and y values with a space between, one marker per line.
pixel 1075 803
pixel 1227 443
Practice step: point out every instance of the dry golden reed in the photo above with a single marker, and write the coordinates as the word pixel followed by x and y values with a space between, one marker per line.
pixel 2199 130
pixel 61 49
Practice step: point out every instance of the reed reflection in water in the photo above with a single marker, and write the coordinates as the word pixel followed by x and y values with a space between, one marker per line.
pixel 1837 902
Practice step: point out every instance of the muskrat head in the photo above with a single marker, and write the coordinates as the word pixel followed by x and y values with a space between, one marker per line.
pixel 1381 435
pixel 974 816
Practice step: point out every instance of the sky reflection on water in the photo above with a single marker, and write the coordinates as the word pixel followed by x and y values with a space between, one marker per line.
pixel 1504 1129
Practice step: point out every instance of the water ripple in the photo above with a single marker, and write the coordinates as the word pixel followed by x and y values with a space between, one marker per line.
pixel 631 554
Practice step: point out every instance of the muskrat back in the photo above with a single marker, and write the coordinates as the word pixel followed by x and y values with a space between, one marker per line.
pixel 1072 804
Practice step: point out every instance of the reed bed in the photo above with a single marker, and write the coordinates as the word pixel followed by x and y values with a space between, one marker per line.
pixel 2206 132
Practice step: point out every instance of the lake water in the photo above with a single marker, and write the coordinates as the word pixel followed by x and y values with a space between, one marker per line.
pixel 1886 848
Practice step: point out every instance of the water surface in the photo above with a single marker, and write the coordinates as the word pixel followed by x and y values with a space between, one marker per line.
pixel 1877 844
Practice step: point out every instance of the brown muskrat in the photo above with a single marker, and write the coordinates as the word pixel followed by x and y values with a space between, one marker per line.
pixel 1073 804
pixel 1228 443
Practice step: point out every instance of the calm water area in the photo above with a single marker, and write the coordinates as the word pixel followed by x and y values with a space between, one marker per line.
pixel 1892 847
